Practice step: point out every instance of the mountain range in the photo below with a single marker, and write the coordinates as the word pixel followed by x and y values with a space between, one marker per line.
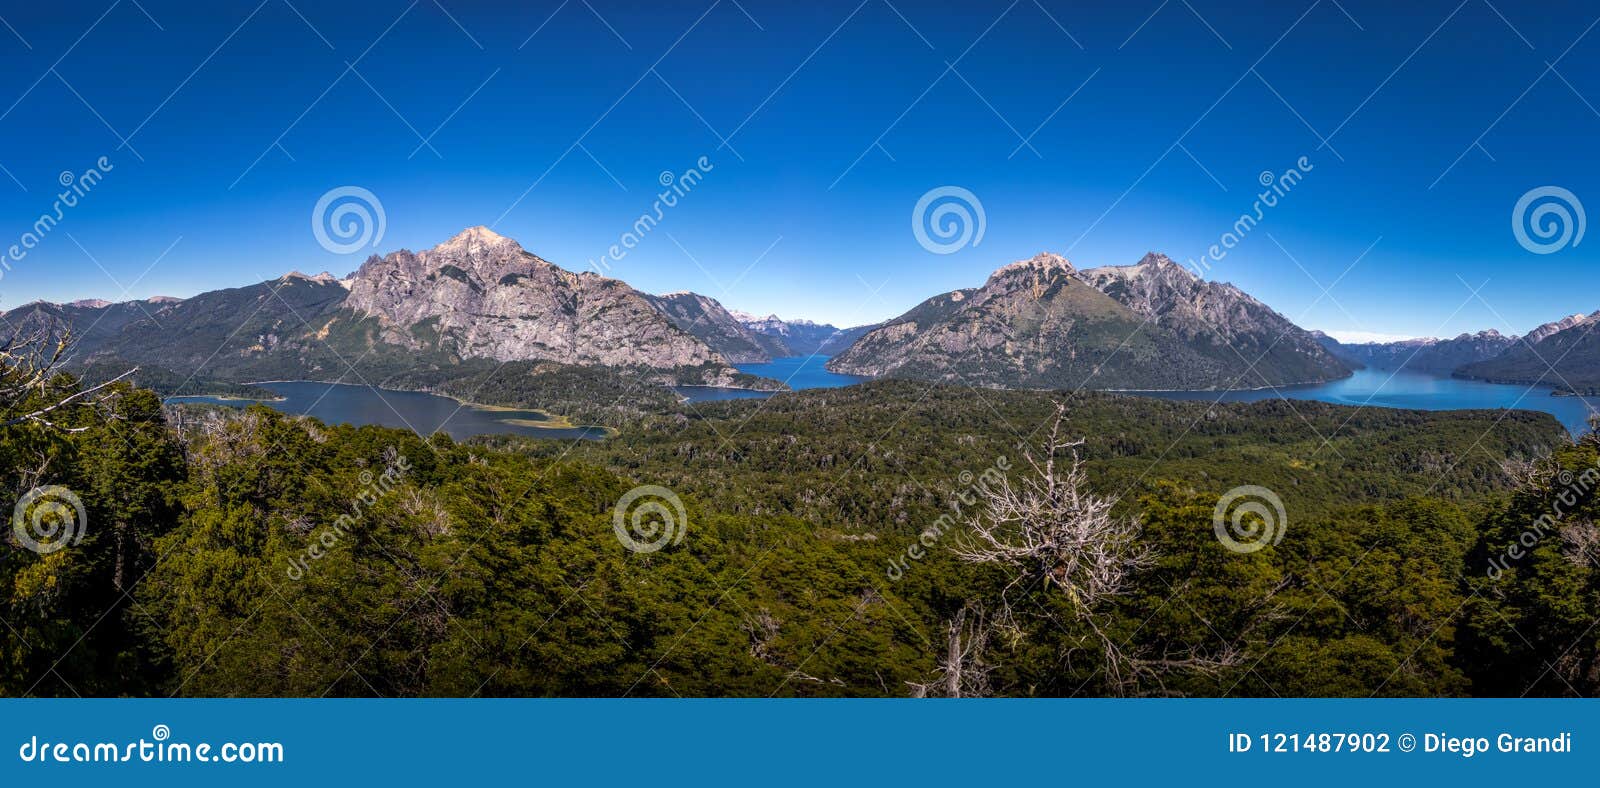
pixel 1562 354
pixel 803 337
pixel 1436 356
pixel 479 297
pixel 1041 323
pixel 475 296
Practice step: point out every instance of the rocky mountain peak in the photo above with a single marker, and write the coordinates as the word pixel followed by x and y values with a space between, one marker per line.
pixel 1153 266
pixel 480 294
pixel 1537 335
pixel 1047 262
pixel 1036 272
pixel 476 236
pixel 322 278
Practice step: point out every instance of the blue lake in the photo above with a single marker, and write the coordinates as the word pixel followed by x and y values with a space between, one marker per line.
pixel 1373 388
pixel 337 403
pixel 427 413
pixel 800 372
pixel 1416 390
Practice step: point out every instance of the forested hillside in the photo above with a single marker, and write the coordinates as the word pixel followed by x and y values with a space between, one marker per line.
pixel 250 553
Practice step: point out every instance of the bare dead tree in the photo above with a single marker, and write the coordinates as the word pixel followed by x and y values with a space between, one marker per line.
pixel 964 668
pixel 30 359
pixel 1053 533
pixel 1580 542
pixel 1051 529
pixel 762 627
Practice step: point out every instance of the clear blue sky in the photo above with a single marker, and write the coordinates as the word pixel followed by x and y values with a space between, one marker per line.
pixel 838 117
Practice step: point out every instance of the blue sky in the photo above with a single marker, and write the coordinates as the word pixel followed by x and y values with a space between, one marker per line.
pixel 1147 125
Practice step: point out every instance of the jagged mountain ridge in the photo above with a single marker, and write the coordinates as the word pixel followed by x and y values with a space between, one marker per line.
pixel 1041 323
pixel 1566 357
pixel 804 337
pixel 481 295
pixel 477 295
pixel 1435 356
pixel 707 319
pixel 1216 315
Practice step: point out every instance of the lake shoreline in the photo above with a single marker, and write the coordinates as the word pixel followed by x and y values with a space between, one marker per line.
pixel 547 421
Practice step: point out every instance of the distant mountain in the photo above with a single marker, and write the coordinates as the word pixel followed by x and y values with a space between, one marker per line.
pixel 707 320
pixel 480 295
pixel 1219 321
pixel 1040 323
pixel 1539 334
pixel 94 320
pixel 476 296
pixel 1436 356
pixel 803 337
pixel 255 331
pixel 1565 357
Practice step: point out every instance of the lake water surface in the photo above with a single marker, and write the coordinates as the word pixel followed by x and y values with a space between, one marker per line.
pixel 428 413
pixel 1416 390
pixel 800 372
pixel 337 403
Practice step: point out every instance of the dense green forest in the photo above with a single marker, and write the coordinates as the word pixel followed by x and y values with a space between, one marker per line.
pixel 245 552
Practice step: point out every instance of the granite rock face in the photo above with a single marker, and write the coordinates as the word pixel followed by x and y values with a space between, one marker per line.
pixel 480 294
pixel 1041 323
pixel 706 319
pixel 1217 316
